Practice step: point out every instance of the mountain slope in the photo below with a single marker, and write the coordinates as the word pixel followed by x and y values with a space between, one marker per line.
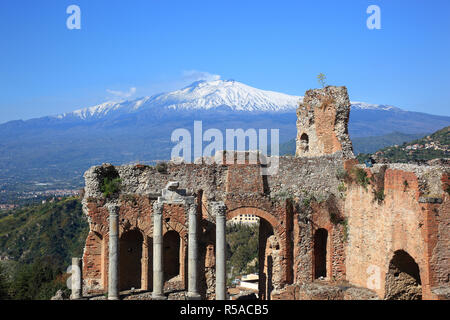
pixel 434 146
pixel 53 230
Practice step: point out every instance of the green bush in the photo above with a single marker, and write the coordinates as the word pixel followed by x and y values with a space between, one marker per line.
pixel 161 167
pixel 379 195
pixel 344 224
pixel 342 174
pixel 4 285
pixel 361 177
pixel 36 281
pixel 341 187
pixel 110 186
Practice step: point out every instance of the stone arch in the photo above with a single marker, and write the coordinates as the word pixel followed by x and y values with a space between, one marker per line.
pixel 403 281
pixel 304 142
pixel 256 211
pixel 130 274
pixel 269 251
pixel 320 254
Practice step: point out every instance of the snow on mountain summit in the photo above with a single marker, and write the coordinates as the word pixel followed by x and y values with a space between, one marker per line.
pixel 233 94
pixel 208 95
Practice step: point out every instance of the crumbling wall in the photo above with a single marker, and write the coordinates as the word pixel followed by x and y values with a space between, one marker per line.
pixel 322 123
pixel 400 218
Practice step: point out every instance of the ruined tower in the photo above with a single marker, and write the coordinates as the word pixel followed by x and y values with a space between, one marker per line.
pixel 322 123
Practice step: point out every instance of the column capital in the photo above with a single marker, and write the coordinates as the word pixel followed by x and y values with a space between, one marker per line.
pixel 219 209
pixel 113 208
pixel 158 208
pixel 193 209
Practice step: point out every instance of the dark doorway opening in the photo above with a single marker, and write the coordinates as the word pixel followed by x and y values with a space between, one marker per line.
pixel 320 253
pixel 130 260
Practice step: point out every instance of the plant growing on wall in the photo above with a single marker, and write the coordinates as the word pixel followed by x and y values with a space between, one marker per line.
pixel 161 167
pixel 110 186
pixel 379 195
pixel 361 177
pixel 321 78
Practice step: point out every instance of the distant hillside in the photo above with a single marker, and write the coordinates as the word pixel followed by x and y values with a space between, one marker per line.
pixel 364 144
pixel 434 146
pixel 52 230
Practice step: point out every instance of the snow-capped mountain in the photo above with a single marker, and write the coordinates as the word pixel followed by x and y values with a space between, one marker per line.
pixel 227 95
pixel 356 105
pixel 219 93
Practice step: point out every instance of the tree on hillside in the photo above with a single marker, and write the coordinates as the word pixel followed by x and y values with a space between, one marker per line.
pixel 3 284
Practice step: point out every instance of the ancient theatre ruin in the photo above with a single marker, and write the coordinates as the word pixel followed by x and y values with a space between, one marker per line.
pixel 325 221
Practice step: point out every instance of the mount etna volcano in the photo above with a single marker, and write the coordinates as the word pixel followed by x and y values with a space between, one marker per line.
pixel 56 149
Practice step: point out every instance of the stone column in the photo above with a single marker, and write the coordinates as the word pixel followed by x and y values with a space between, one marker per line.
pixel 219 210
pixel 158 268
pixel 76 279
pixel 193 255
pixel 113 271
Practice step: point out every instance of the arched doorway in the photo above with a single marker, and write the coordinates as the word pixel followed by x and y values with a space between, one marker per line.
pixel 171 255
pixel 403 278
pixel 130 260
pixel 268 251
pixel 320 253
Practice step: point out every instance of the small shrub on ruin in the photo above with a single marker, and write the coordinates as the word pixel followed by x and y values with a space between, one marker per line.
pixel 406 185
pixel 342 175
pixel 344 224
pixel 321 78
pixel 361 177
pixel 308 200
pixel 342 188
pixel 379 195
pixel 335 218
pixel 161 167
pixel 110 186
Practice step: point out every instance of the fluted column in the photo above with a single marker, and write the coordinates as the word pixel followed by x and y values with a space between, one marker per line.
pixel 113 270
pixel 219 210
pixel 158 267
pixel 193 255
pixel 76 284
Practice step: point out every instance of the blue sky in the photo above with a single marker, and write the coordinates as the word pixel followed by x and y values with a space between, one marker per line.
pixel 137 48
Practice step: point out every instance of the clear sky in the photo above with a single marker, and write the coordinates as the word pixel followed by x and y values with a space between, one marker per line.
pixel 141 47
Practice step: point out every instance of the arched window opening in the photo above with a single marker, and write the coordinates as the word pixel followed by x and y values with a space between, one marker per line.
pixel 304 142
